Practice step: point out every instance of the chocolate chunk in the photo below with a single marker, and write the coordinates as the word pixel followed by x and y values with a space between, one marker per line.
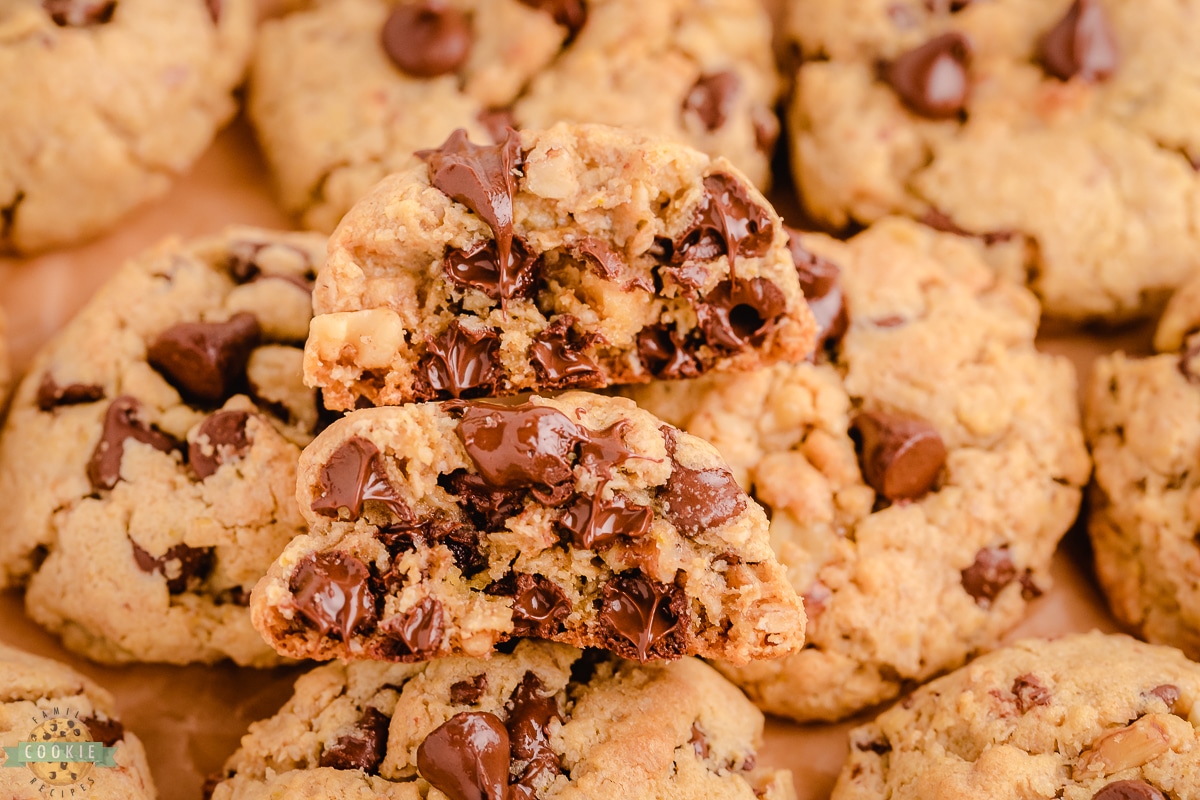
pixel 604 260
pixel 427 39
pixel 699 741
pixel 594 523
pixel 900 456
pixel 740 312
pixel 1030 691
pixel 354 474
pixel 332 592
pixel 1128 790
pixel 1168 693
pixel 417 632
pixel 468 692
pixel 364 748
pixel 222 438
pixel 558 357
pixel 647 614
pixel 122 422
pixel 106 731
pixel 712 98
pixel 184 567
pixel 464 544
pixel 932 79
pixel 698 499
pixel 992 571
pixel 497 121
pixel 479 268
pixel 571 14
pixel 467 757
pixel 461 362
pixel 819 280
pixel 538 604
pixel 727 222
pixel 666 354
pixel 1081 44
pixel 524 446
pixel 530 714
pixel 602 451
pixel 50 395
pixel 80 13
pixel 206 361
pixel 487 506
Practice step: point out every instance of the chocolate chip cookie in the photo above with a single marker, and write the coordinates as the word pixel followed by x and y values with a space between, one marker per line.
pixel 547 721
pixel 343 91
pixel 577 257
pixel 444 529
pixel 50 703
pixel 1141 416
pixel 1084 717
pixel 1062 134
pixel 918 475
pixel 105 102
pixel 148 464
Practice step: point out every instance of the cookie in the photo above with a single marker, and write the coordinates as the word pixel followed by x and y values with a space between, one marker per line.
pixel 50 703
pixel 1061 134
pixel 148 464
pixel 918 475
pixel 1084 717
pixel 626 257
pixel 446 529
pixel 342 91
pixel 5 367
pixel 115 99
pixel 1142 424
pixel 547 721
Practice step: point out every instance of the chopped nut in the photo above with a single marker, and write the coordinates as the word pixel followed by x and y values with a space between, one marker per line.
pixel 1125 748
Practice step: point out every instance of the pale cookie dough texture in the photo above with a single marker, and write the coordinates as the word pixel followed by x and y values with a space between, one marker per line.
pixel 1085 717
pixel 546 721
pixel 104 103
pixel 45 701
pixel 625 257
pixel 918 476
pixel 336 113
pixel 148 465
pixel 1065 135
pixel 1143 424
pixel 447 529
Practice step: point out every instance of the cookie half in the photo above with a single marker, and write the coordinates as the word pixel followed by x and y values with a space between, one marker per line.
pixel 443 529
pixel 918 476
pixel 148 462
pixel 547 721
pixel 624 257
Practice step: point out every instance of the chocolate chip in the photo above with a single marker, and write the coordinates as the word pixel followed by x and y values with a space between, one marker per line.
pixel 467 757
pixel 603 259
pixel 332 592
pixel 538 606
pixel 602 451
pixel 222 438
pixel 363 748
pixel 354 474
pixel 497 121
pixel 464 544
pixel 647 615
pixel 487 506
pixel 1081 44
pixel 461 362
pixel 932 79
pixel 727 222
pixel 106 731
pixel 523 446
pixel 80 13
pixel 427 39
pixel 666 354
pixel 50 395
pixel 698 499
pixel 740 312
pixel 1168 693
pixel 819 280
pixel 1128 790
pixel 571 14
pixel 900 456
pixel 468 692
pixel 184 567
pixel 594 523
pixel 992 570
pixel 557 356
pixel 531 712
pixel 877 746
pixel 712 97
pixel 1030 691
pixel 206 361
pixel 122 422
pixel 418 632
pixel 478 268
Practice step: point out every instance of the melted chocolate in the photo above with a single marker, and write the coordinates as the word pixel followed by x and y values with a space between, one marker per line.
pixel 595 524
pixel 354 474
pixel 479 268
pixel 1128 790
pixel 740 312
pixel 189 566
pixel 558 357
pixel 727 222
pixel 468 692
pixel 462 363
pixel 698 499
pixel 538 606
pixel 363 748
pixel 666 354
pixel 1029 691
pixel 106 731
pixel 122 422
pixel 524 446
pixel 332 591
pixel 467 757
pixel 487 506
pixel 222 438
pixel 647 615
pixel 530 715
pixel 417 634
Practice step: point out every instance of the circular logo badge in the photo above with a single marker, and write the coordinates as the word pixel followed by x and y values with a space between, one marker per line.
pixel 53 734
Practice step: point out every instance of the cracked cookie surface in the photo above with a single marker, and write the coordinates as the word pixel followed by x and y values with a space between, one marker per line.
pixel 1063 134
pixel 443 529
pixel 918 476
pixel 148 462
pixel 546 721
pixel 115 98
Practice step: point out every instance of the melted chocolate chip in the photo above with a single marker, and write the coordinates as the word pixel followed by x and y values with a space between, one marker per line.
pixel 1081 44
pixel 740 312
pixel 712 98
pixel 727 222
pixel 900 456
pixel 992 570
pixel 418 632
pixel 427 39
pixel 699 741
pixel 487 506
pixel 497 121
pixel 222 438
pixel 50 395
pixel 467 757
pixel 531 712
pixel 602 451
pixel 463 543
pixel 354 474
pixel 538 604
pixel 363 748
pixel 595 524
pixel 666 354
pixel 461 363
pixel 1168 693
pixel 932 79
pixel 479 268
pixel 80 13
pixel 698 499
pixel 558 357
pixel 819 280
pixel 468 692
pixel 1128 790
pixel 106 731
pixel 604 261
pixel 647 615
pixel 206 361
pixel 523 446
pixel 184 567
pixel 1030 691
pixel 332 592
pixel 122 422
pixel 571 14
